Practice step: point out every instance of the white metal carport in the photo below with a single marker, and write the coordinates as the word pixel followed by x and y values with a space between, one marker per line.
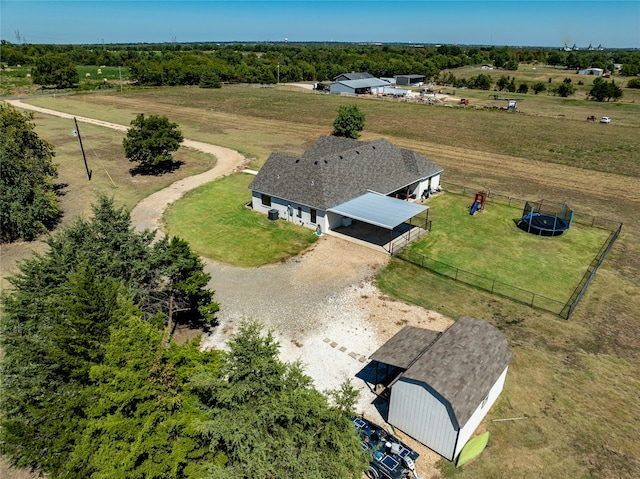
pixel 379 210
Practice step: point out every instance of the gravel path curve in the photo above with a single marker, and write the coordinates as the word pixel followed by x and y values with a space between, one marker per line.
pixel 322 306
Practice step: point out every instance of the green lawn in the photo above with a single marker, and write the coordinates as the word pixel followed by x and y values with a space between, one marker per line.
pixel 214 220
pixel 490 245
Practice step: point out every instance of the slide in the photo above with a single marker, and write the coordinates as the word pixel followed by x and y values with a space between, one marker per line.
pixel 474 207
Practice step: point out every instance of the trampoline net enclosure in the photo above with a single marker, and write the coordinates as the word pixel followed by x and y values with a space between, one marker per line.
pixel 545 220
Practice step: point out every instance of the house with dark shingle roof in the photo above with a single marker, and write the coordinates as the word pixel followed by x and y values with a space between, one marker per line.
pixel 446 382
pixel 341 178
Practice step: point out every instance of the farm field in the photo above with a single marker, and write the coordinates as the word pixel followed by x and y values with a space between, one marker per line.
pixel 576 381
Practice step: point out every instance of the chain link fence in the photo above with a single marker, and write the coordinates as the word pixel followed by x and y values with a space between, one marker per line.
pixel 562 308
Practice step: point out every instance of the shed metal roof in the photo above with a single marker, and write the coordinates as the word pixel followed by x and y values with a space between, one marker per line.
pixel 379 210
pixel 354 76
pixel 364 83
pixel 412 76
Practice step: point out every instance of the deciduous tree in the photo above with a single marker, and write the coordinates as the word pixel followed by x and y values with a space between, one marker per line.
pixel 28 202
pixel 349 122
pixel 151 141
pixel 55 70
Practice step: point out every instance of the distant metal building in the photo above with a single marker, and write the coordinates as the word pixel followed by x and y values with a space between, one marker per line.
pixel 591 71
pixel 409 80
pixel 367 86
pixel 353 76
pixel 445 383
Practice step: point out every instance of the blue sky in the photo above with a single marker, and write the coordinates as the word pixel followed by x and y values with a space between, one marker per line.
pixel 546 23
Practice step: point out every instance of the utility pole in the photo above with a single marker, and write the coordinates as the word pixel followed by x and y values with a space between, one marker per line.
pixel 76 132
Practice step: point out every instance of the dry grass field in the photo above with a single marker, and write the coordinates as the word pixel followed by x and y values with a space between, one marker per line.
pixel 577 381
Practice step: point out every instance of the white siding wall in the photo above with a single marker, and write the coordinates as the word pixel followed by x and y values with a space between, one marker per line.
pixel 333 221
pixel 435 181
pixel 289 211
pixel 424 184
pixel 425 417
pixel 474 421
pixel 418 413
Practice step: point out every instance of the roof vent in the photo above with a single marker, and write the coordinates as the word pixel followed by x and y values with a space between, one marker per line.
pixel 326 162
pixel 340 157
pixel 315 162
pixel 373 146
pixel 298 160
pixel 357 152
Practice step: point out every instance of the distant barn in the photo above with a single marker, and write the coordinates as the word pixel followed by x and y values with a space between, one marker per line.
pixel 409 80
pixel 591 71
pixel 445 383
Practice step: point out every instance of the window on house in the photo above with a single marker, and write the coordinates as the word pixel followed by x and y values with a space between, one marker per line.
pixel 313 215
pixel 266 200
pixel 299 211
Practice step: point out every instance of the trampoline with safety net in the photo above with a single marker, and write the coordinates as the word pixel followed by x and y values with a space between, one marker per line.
pixel 545 221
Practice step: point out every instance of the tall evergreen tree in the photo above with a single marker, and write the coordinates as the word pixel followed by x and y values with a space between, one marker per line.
pixel 267 420
pixel 141 420
pixel 58 316
pixel 50 340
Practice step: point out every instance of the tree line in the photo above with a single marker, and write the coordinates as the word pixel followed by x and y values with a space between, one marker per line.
pixel 187 64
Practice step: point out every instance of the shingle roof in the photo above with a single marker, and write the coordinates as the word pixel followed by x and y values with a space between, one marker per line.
pixel 462 364
pixel 403 348
pixel 336 170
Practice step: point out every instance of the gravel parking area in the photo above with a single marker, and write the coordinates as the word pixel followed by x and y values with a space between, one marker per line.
pixel 326 312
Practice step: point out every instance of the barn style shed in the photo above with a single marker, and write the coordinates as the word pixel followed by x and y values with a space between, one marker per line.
pixel 445 383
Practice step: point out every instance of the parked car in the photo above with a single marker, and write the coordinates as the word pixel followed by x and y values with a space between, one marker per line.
pixel 605 119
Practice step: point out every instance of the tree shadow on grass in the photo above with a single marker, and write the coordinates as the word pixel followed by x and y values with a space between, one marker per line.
pixel 156 170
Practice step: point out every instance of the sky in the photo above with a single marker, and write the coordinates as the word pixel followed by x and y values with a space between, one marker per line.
pixel 542 23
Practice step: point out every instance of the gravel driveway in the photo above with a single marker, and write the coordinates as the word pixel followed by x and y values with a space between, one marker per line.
pixel 322 306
